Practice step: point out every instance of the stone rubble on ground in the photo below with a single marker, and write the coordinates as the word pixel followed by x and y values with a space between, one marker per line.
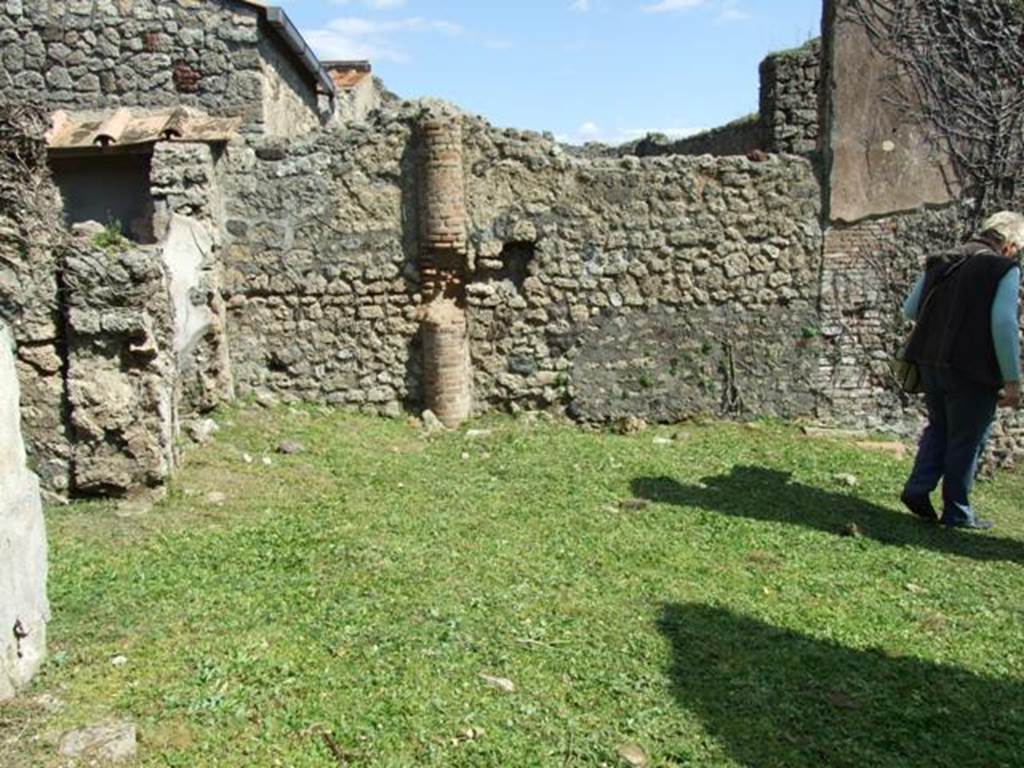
pixel 202 430
pixel 430 422
pixel 113 743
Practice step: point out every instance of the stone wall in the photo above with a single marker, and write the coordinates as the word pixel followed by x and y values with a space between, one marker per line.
pixel 736 138
pixel 786 122
pixel 122 385
pixel 290 102
pixel 31 250
pixel 868 269
pixel 189 220
pixel 97 54
pixel 24 610
pixel 320 261
pixel 323 279
pixel 657 287
pixel 790 81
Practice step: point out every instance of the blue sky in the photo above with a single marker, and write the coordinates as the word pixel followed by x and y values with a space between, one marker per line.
pixel 608 70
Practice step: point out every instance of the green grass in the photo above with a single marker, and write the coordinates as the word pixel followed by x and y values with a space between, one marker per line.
pixel 353 595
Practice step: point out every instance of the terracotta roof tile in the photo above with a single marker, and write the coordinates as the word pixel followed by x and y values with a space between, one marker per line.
pixel 121 128
pixel 347 74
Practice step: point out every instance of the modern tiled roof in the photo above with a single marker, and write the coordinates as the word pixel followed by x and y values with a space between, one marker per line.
pixel 347 74
pixel 121 128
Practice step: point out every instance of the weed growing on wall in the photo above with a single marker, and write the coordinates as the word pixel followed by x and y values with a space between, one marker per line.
pixel 110 237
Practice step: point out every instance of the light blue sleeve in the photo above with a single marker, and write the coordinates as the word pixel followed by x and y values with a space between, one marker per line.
pixel 1005 334
pixel 912 304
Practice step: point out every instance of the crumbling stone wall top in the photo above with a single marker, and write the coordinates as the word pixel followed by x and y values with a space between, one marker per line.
pixel 790 82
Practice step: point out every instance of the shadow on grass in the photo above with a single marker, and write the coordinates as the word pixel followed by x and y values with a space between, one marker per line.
pixel 772 697
pixel 768 494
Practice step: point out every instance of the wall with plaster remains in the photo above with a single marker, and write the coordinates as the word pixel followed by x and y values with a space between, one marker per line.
pixel 24 609
pixel 211 54
pixel 426 258
pixel 114 345
pixel 189 218
pixel 878 162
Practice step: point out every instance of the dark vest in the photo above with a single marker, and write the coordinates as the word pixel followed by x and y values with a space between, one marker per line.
pixel 954 330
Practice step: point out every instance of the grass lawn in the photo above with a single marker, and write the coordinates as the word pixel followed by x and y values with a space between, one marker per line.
pixel 535 596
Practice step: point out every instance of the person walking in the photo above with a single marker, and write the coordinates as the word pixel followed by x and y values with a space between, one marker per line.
pixel 966 344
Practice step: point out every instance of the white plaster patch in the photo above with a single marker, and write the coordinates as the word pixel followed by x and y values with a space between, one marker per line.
pixel 23 606
pixel 187 245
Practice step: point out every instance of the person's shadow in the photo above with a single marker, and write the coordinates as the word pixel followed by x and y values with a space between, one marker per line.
pixel 767 494
pixel 774 697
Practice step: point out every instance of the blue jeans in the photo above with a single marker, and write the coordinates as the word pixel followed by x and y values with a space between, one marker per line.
pixel 960 413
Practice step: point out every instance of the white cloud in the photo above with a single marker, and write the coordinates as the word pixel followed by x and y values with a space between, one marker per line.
pixel 354 37
pixel 730 12
pixel 580 6
pixel 591 131
pixel 667 6
pixel 330 45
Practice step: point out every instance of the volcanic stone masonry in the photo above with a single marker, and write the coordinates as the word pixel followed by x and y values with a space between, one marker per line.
pixel 423 257
pixel 790 82
pixel 217 55
pixel 325 283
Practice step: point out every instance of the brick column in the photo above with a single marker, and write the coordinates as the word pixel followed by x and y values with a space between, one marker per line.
pixel 448 375
pixel 443 204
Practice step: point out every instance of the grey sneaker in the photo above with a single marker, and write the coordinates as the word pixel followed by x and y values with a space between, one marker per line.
pixel 974 524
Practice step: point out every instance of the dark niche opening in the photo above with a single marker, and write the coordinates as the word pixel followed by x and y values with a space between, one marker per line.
pixel 513 264
pixel 112 189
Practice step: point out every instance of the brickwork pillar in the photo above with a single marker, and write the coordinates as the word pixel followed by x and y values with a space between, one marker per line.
pixel 448 375
pixel 443 210
pixel 447 371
